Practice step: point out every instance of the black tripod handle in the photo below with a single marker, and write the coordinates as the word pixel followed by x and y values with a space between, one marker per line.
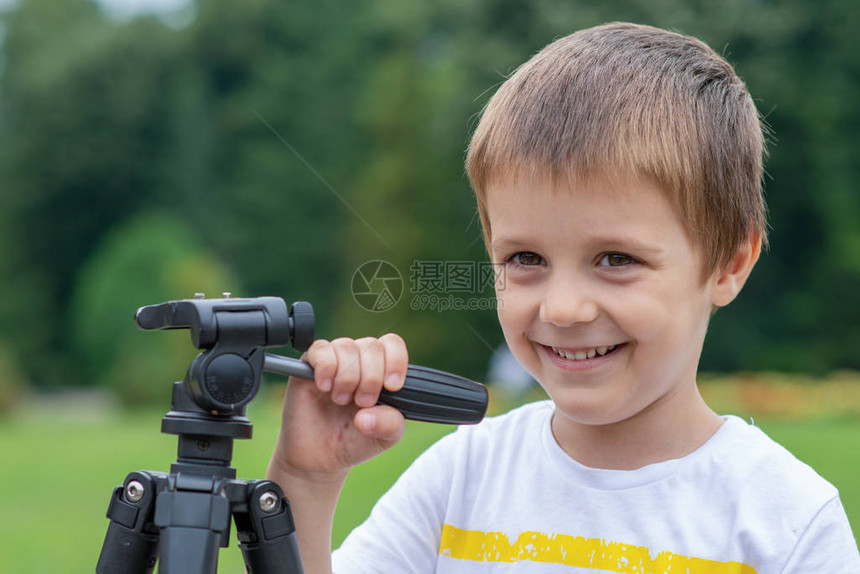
pixel 427 395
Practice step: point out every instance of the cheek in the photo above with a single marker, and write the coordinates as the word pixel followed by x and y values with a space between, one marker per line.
pixel 641 316
pixel 516 319
pixel 513 309
pixel 667 320
pixel 504 312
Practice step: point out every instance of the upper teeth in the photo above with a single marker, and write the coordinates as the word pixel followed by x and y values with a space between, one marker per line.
pixel 584 353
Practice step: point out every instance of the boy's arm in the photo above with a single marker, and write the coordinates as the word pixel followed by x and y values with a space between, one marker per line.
pixel 313 505
pixel 331 424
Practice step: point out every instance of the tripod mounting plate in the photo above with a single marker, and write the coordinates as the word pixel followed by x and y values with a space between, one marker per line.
pixel 200 316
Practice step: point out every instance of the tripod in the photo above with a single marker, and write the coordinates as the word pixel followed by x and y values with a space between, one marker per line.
pixel 181 519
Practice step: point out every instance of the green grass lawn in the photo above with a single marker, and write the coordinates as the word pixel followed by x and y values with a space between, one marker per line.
pixel 58 471
pixel 57 474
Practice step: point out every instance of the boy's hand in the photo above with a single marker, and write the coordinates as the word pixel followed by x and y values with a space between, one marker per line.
pixel 332 423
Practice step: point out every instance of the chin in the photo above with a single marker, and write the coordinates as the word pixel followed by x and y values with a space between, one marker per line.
pixel 588 413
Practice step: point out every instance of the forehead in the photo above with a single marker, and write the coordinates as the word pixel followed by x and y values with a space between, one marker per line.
pixel 598 209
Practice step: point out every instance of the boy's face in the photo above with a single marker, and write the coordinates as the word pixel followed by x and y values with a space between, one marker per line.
pixel 603 300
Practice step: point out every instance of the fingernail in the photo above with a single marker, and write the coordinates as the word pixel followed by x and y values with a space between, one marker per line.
pixel 393 380
pixel 366 420
pixel 325 385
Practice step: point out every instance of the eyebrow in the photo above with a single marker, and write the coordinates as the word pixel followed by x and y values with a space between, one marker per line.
pixel 626 243
pixel 622 243
pixel 508 242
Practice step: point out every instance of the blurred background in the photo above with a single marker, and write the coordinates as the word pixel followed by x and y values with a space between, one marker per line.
pixel 153 149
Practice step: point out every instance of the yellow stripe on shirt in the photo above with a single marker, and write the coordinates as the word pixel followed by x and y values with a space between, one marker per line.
pixel 592 553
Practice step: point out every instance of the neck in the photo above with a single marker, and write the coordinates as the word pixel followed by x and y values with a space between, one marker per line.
pixel 671 427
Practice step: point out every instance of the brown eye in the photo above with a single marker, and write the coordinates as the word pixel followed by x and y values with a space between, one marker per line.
pixel 526 258
pixel 616 260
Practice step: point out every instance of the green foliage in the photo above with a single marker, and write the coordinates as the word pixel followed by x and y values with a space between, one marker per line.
pixel 151 259
pixel 84 123
pixel 298 140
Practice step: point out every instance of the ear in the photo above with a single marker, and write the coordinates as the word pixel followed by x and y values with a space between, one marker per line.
pixel 728 281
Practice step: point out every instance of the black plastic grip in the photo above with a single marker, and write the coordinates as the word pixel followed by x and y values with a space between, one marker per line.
pixel 427 395
pixel 435 396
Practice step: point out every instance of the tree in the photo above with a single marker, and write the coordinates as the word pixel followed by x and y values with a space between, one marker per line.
pixel 147 260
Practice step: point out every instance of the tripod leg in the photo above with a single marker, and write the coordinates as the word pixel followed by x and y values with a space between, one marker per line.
pixel 186 550
pixel 266 532
pixel 193 515
pixel 130 545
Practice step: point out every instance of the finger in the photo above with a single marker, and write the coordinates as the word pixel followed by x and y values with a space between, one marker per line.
pixel 396 361
pixel 372 361
pixel 321 356
pixel 348 370
pixel 381 422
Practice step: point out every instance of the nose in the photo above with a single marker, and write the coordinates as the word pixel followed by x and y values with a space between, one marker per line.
pixel 566 302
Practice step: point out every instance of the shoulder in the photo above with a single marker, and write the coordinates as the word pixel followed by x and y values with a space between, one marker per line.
pixel 764 486
pixel 757 459
pixel 782 498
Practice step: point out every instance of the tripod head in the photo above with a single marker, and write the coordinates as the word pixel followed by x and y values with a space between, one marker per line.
pixel 232 333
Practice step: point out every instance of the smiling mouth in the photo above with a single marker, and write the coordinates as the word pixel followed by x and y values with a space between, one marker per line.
pixel 584 354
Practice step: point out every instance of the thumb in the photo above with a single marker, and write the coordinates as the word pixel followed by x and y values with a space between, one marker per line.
pixel 381 422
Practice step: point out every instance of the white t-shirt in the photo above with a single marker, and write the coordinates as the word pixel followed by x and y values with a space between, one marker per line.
pixel 503 496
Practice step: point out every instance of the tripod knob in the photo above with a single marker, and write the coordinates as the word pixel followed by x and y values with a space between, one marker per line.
pixel 302 325
pixel 222 382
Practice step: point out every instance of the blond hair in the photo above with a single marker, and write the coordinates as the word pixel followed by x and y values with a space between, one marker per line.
pixel 629 100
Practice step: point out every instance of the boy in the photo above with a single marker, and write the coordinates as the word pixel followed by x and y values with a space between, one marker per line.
pixel 617 175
